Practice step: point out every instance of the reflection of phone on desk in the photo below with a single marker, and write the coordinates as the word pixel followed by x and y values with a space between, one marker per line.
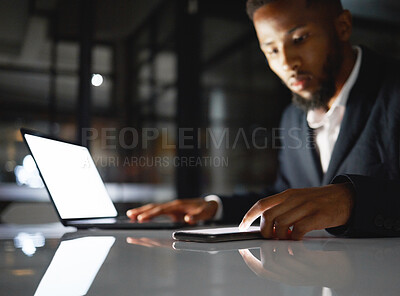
pixel 213 248
pixel 213 235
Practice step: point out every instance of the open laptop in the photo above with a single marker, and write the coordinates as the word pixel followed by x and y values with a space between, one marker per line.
pixel 75 186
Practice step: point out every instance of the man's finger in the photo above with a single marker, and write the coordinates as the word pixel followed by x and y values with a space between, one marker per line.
pixel 260 207
pixel 305 225
pixel 156 211
pixel 289 218
pixel 133 213
pixel 272 222
pixel 201 213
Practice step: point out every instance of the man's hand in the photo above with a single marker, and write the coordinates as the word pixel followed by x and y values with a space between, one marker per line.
pixel 305 209
pixel 188 210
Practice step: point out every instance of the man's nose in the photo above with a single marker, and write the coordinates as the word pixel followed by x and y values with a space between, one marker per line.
pixel 290 60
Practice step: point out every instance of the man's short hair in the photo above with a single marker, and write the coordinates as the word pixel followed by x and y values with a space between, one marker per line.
pixel 253 5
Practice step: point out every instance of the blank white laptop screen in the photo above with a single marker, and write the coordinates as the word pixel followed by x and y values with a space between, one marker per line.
pixel 71 178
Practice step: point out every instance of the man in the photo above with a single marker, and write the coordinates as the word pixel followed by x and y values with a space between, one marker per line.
pixel 346 100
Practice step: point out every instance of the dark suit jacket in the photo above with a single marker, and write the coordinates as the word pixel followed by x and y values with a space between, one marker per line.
pixel 366 154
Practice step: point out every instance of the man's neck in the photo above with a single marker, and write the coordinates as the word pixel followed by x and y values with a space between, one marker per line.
pixel 349 60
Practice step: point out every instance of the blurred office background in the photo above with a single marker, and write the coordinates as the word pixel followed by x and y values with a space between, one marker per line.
pixel 74 68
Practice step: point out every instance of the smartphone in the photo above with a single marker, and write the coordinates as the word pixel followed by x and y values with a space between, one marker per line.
pixel 213 235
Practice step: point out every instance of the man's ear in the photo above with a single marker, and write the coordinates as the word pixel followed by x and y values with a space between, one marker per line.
pixel 344 25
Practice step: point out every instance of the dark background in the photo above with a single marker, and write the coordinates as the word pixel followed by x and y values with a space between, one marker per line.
pixel 166 64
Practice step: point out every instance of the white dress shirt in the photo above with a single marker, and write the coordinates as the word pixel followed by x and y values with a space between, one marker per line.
pixel 327 124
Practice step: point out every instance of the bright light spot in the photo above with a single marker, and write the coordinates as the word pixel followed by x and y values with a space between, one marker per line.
pixel 27 173
pixel 29 163
pixel 97 80
pixel 326 291
pixel 29 242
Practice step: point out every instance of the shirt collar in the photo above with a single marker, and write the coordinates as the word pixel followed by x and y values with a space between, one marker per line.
pixel 317 117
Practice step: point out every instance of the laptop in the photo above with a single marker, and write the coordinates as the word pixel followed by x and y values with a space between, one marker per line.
pixel 76 188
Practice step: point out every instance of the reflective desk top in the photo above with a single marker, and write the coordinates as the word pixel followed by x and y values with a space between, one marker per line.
pixel 53 260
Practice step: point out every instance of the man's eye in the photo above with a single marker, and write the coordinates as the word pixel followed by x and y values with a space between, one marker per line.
pixel 300 39
pixel 272 52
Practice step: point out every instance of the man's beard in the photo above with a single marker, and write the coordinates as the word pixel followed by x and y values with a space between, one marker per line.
pixel 324 94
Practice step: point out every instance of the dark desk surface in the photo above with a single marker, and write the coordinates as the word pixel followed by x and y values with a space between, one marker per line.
pixel 53 260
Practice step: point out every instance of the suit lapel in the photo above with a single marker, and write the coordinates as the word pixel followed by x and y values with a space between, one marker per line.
pixel 358 109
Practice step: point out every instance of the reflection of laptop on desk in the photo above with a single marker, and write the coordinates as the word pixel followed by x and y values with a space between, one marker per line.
pixel 75 186
pixel 75 266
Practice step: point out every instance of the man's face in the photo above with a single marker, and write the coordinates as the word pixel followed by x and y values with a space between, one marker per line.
pixel 302 48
